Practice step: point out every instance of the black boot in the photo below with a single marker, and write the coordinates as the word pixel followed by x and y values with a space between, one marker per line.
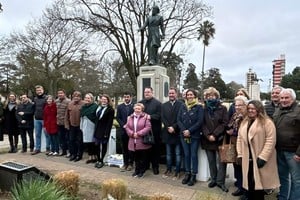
pixel 192 180
pixel 186 178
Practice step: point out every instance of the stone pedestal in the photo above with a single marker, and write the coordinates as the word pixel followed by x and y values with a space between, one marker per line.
pixel 154 76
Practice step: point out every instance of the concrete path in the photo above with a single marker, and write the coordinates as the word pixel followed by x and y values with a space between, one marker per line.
pixel 148 185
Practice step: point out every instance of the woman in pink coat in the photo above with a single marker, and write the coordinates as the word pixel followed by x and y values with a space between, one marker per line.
pixel 138 125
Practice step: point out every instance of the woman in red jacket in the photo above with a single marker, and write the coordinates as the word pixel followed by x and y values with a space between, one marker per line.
pixel 138 124
pixel 50 125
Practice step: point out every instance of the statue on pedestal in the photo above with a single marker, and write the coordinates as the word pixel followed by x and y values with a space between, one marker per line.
pixel 154 23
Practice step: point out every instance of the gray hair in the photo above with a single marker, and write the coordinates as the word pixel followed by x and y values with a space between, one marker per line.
pixel 290 91
pixel 241 98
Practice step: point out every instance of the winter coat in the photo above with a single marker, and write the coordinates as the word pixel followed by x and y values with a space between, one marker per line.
pixel 104 124
pixel 169 115
pixel 191 120
pixel 262 139
pixel 39 104
pixel 214 125
pixel 1 121
pixel 123 111
pixel 10 120
pixel 25 121
pixel 142 128
pixel 50 112
pixel 287 122
pixel 87 121
pixel 62 107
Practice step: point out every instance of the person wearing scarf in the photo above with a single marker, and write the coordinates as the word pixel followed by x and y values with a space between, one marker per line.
pixel 11 122
pixel 87 125
pixel 105 116
pixel 240 104
pixel 215 121
pixel 190 120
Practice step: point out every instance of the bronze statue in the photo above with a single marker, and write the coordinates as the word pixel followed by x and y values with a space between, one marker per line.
pixel 154 23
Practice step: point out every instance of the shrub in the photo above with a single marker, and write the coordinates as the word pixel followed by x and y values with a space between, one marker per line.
pixel 38 190
pixel 160 197
pixel 114 187
pixel 68 181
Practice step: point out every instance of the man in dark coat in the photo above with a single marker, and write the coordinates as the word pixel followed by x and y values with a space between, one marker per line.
pixel 170 133
pixel 123 111
pixel 153 109
pixel 275 98
pixel 24 114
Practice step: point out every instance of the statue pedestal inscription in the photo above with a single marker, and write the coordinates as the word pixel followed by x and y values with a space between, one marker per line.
pixel 154 76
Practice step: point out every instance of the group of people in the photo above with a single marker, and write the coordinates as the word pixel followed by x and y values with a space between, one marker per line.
pixel 267 138
pixel 68 125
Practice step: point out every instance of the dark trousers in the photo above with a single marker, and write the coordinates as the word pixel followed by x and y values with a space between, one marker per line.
pixel 13 137
pixel 127 155
pixel 63 138
pixel 217 168
pixel 76 141
pixel 238 174
pixel 140 160
pixel 54 143
pixel 253 194
pixel 101 151
pixel 91 148
pixel 23 132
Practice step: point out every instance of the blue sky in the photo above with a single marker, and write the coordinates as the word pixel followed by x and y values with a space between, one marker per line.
pixel 249 34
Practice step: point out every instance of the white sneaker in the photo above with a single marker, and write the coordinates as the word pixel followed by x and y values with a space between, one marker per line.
pixel 50 153
pixel 55 154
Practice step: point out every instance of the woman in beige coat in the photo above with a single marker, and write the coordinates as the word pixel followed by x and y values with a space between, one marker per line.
pixel 256 152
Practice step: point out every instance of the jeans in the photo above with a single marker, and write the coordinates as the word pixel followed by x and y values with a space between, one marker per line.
pixel 289 176
pixel 63 138
pixel 190 155
pixel 217 168
pixel 54 143
pixel 171 150
pixel 38 126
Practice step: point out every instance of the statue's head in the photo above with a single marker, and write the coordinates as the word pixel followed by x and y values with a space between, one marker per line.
pixel 155 10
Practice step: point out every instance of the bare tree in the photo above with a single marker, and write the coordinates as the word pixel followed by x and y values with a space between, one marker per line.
pixel 54 43
pixel 118 22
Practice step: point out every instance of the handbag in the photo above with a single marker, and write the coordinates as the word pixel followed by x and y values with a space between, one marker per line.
pixel 227 152
pixel 148 138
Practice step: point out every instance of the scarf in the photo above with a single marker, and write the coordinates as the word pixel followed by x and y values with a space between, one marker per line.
pixel 212 105
pixel 89 110
pixel 190 104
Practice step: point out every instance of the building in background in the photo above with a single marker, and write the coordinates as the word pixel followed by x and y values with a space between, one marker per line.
pixel 278 69
pixel 252 85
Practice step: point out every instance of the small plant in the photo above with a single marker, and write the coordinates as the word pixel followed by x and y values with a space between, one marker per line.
pixel 38 190
pixel 115 188
pixel 160 197
pixel 68 181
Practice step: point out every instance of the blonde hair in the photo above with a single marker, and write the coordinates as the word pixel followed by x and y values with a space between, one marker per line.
pixel 211 91
pixel 90 95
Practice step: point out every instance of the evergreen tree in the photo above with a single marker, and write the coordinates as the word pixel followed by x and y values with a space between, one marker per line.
pixel 191 80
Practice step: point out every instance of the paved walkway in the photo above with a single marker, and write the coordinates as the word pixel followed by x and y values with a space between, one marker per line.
pixel 147 186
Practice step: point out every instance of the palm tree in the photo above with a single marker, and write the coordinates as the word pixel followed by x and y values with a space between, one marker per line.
pixel 206 32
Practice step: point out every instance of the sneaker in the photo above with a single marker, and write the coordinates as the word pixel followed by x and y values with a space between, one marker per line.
pixel 49 153
pixel 55 154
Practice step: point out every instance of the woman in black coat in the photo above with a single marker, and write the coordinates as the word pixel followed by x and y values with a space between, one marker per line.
pixel 11 122
pixel 105 116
